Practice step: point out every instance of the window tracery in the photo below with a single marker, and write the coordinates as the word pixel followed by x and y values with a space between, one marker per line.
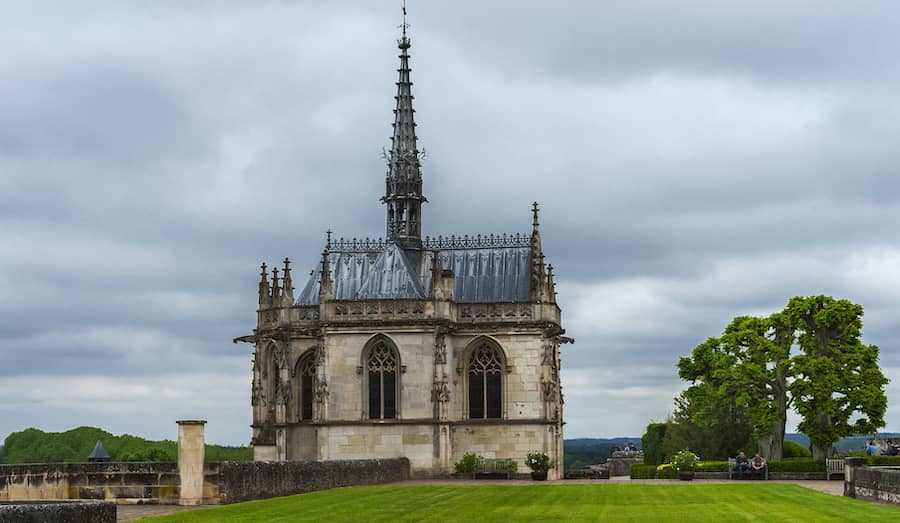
pixel 485 374
pixel 382 364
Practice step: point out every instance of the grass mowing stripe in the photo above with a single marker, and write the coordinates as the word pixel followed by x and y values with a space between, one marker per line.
pixel 590 502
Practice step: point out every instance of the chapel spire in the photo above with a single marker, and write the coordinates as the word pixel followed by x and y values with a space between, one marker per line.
pixel 403 185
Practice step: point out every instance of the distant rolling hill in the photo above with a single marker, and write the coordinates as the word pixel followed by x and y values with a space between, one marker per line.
pixel 37 446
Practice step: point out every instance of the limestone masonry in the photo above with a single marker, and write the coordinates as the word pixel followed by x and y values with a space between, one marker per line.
pixel 425 348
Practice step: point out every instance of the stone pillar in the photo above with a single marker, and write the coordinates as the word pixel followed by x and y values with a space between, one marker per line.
pixel 850 466
pixel 191 451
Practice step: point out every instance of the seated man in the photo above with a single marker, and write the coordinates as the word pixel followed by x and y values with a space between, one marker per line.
pixel 758 466
pixel 891 449
pixel 741 464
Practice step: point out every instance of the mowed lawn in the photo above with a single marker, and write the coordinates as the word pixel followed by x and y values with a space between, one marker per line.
pixel 652 503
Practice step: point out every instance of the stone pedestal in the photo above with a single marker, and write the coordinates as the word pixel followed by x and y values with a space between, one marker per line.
pixel 620 462
pixel 851 465
pixel 191 451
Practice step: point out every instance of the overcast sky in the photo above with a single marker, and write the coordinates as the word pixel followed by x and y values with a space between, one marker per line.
pixel 694 160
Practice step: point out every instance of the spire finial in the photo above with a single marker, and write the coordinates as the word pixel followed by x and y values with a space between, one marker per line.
pixel 264 290
pixel 534 210
pixel 404 40
pixel 405 25
pixel 328 239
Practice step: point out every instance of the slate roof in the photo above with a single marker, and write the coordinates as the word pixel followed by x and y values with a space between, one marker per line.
pixel 497 274
pixel 99 453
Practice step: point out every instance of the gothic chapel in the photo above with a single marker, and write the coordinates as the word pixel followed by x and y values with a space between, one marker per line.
pixel 427 348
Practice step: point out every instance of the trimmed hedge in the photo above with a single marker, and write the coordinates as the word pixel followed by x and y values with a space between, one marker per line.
pixel 713 466
pixel 797 465
pixel 641 471
pixel 667 473
pixel 878 461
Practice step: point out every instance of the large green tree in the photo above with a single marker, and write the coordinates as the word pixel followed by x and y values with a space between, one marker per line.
pixel 838 387
pixel 748 366
pixel 834 382
pixel 708 422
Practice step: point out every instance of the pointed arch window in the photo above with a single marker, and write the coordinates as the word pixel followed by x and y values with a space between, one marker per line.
pixel 382 365
pixel 485 374
pixel 306 381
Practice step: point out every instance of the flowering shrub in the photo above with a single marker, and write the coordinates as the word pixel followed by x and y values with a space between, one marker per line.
pixel 685 460
pixel 467 463
pixel 538 461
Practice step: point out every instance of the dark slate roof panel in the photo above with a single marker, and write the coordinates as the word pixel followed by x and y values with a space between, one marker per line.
pixel 501 274
pixel 485 275
pixel 390 277
pixel 383 274
pixel 99 451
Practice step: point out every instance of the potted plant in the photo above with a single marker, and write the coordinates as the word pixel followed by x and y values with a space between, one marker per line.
pixel 539 463
pixel 685 462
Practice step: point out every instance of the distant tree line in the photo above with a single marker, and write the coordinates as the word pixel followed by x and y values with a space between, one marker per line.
pixel 36 446
pixel 808 357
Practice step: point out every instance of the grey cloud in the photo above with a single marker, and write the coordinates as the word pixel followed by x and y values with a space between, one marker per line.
pixel 692 164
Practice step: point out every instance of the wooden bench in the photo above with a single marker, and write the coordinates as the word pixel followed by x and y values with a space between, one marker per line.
pixel 834 466
pixel 492 466
pixel 732 469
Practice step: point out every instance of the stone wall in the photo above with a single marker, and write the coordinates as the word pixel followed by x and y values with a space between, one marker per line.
pixel 874 483
pixel 57 512
pixel 126 482
pixel 243 481
pixel 225 482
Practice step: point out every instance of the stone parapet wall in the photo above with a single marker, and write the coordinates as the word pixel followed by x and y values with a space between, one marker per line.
pixel 874 483
pixel 225 482
pixel 243 481
pixel 57 512
pixel 124 482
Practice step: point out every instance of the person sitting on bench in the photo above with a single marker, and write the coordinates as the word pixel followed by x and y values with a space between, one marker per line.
pixel 758 467
pixel 741 464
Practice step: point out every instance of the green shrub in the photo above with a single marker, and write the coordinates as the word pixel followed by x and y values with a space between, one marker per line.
pixel 467 463
pixel 652 443
pixel 797 465
pixel 641 471
pixel 685 460
pixel 884 460
pixel 792 449
pixel 513 467
pixel 666 471
pixel 538 461
pixel 712 466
